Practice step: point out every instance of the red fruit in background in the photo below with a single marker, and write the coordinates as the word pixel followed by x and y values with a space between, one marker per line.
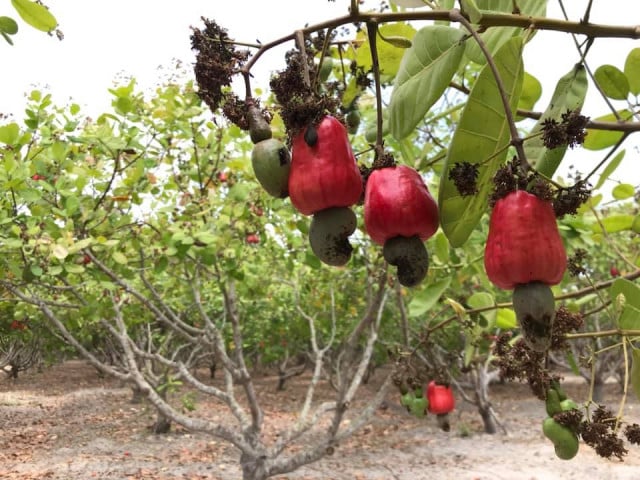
pixel 398 203
pixel 17 325
pixel 614 272
pixel 86 259
pixel 223 177
pixel 257 211
pixel 37 177
pixel 524 244
pixel 441 399
pixel 324 173
pixel 252 238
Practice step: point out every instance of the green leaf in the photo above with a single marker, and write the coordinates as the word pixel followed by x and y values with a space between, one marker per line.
pixel 389 55
pixel 424 300
pixel 614 223
pixel 481 138
pixel 635 226
pixel 613 83
pixel 35 15
pixel 73 268
pixel 59 251
pixel 634 374
pixel 573 365
pixel 569 95
pixel 626 294
pixel 441 247
pixel 495 37
pixel 599 139
pixel 629 319
pixel 8 26
pixel 531 92
pixel 506 319
pixel 424 74
pixel 397 41
pixel 483 300
pixel 471 9
pixel 623 191
pixel 9 133
pixel 161 264
pixel 609 169
pixel 628 289
pixel 632 70
pixel 205 237
pixel 119 257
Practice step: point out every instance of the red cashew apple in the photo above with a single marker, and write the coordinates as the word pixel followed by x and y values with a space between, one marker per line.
pixel 524 253
pixel 324 181
pixel 400 214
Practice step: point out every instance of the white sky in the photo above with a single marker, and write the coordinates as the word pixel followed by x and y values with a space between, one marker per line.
pixel 107 39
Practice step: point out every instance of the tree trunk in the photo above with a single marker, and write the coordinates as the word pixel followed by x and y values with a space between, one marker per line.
pixel 212 369
pixel 488 420
pixel 253 468
pixel 162 424
pixel 136 395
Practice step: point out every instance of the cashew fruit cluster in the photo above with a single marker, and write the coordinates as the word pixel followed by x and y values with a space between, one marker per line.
pixel 565 440
pixel 322 179
pixel 524 253
pixel 434 398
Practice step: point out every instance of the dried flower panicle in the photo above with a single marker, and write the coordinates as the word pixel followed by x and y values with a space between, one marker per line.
pixel 217 60
pixel 571 130
pixel 553 135
pixel 571 419
pixel 565 322
pixel 300 104
pixel 575 264
pixel 465 176
pixel 568 200
pixel 632 432
pixel 575 127
pixel 519 362
pixel 600 435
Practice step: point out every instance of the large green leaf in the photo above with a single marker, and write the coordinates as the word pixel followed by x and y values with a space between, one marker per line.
pixel 481 138
pixel 425 72
pixel 632 70
pixel 35 15
pixel 495 37
pixel 613 83
pixel 569 94
pixel 600 139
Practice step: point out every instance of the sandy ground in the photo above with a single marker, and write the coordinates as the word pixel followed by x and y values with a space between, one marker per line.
pixel 66 423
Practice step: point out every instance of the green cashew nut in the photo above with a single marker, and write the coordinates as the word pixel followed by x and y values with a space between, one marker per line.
pixel 564 440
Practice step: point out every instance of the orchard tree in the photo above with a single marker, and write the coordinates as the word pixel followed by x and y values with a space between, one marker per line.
pixel 398 158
